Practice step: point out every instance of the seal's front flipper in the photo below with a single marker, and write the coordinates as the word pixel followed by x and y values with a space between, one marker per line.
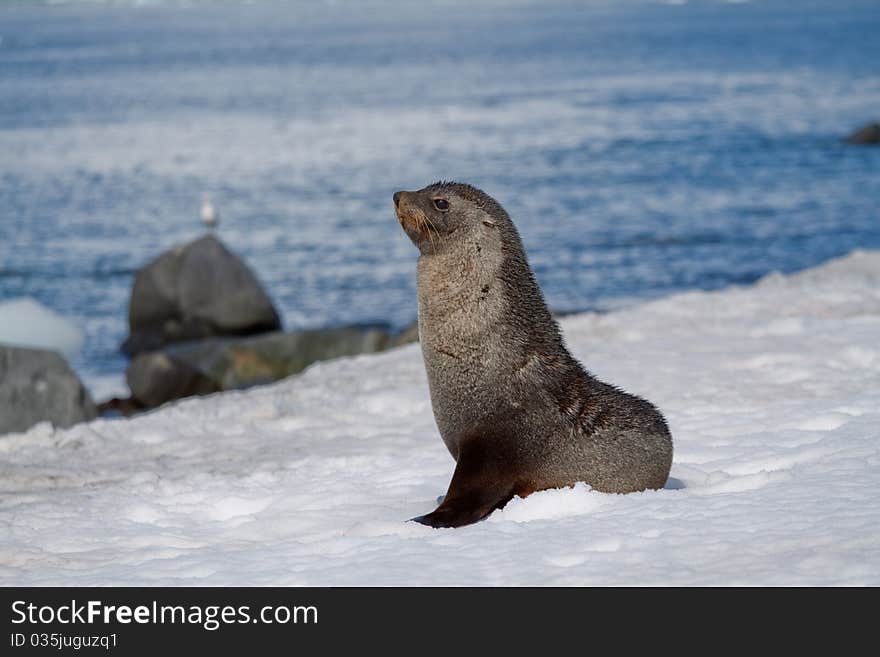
pixel 478 487
pixel 448 515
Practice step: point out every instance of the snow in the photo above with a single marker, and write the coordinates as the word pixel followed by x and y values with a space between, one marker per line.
pixel 26 322
pixel 772 393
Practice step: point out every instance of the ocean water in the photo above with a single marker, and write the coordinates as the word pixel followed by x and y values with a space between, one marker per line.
pixel 642 148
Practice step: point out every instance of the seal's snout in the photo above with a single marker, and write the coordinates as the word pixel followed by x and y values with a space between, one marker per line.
pixel 410 216
pixel 402 209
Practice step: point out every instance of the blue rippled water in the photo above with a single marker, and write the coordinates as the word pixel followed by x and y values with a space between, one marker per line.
pixel 642 148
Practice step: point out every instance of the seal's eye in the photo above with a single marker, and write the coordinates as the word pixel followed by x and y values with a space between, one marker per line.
pixel 441 204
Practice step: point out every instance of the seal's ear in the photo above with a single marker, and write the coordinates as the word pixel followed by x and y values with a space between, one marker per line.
pixel 489 223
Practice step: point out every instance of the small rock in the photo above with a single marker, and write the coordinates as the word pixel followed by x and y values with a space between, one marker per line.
pixel 214 364
pixel 407 336
pixel 155 378
pixel 870 134
pixel 38 385
pixel 117 406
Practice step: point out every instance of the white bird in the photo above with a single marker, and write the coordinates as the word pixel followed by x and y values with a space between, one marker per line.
pixel 210 217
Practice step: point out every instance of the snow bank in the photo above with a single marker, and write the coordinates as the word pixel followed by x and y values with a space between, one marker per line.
pixel 773 396
pixel 26 322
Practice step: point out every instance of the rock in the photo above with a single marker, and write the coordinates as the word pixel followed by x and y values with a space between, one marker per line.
pixel 407 336
pixel 870 134
pixel 38 385
pixel 196 291
pixel 245 362
pixel 155 378
pixel 217 364
pixel 119 407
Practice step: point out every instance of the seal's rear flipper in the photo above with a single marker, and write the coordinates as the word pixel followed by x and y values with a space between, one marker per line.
pixel 479 485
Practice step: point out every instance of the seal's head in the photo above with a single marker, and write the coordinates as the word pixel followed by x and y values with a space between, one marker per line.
pixel 431 216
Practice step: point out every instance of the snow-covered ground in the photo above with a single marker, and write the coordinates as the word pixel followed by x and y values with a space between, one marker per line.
pixel 773 396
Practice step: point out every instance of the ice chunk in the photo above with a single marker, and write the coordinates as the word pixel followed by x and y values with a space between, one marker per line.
pixel 26 322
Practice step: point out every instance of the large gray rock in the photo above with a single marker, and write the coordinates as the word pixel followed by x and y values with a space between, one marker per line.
pixel 870 134
pixel 217 364
pixel 195 291
pixel 38 385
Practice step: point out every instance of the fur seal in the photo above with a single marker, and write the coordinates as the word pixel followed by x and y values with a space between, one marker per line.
pixel 517 412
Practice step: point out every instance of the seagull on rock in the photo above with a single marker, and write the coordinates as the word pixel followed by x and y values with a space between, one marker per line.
pixel 209 215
